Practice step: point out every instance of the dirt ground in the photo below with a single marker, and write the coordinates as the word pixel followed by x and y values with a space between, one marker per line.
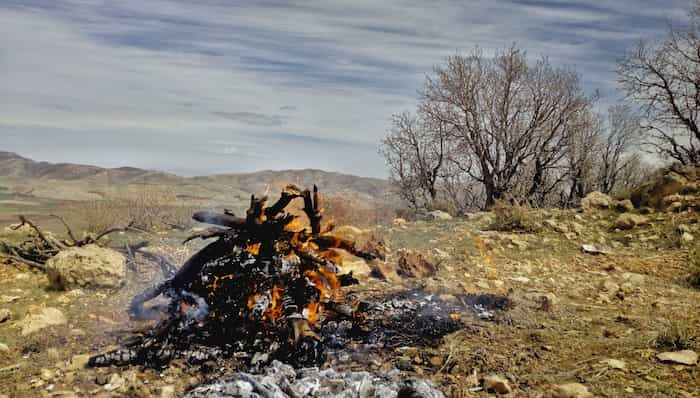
pixel 573 312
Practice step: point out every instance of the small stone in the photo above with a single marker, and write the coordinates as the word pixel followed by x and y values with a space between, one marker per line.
pixel 684 357
pixel 4 347
pixel 436 361
pixel 686 237
pixel 628 221
pixel 593 249
pixel 497 384
pixel 40 318
pixel 615 364
pixel 520 279
pixel 440 215
pixel 682 228
pixel 5 314
pixel 571 390
pixel 596 201
pixel 115 383
pixel 610 287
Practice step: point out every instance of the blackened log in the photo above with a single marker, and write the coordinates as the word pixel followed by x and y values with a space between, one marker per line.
pixel 224 220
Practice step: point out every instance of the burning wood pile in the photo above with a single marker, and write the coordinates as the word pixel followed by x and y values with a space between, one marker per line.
pixel 265 285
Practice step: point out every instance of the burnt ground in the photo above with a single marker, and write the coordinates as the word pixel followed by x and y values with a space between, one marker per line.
pixel 571 313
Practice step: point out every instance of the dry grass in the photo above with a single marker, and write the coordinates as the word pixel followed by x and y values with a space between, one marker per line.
pixel 513 218
pixel 149 209
pixel 675 337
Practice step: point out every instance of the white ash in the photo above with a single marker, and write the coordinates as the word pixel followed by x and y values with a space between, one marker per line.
pixel 282 381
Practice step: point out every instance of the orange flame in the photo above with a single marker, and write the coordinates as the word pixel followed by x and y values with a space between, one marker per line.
pixel 274 310
pixel 252 248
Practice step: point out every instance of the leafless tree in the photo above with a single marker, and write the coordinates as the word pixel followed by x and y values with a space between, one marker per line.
pixel 504 114
pixel 664 78
pixel 414 151
pixel 584 144
pixel 618 154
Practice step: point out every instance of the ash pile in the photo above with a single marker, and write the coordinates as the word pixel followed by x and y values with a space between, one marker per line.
pixel 283 381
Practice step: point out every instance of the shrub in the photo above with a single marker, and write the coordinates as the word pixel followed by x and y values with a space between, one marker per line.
pixel 675 337
pixel 150 208
pixel 512 218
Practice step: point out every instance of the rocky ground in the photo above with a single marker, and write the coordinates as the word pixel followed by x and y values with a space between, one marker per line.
pixel 602 307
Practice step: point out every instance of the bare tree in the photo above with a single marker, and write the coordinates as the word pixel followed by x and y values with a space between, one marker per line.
pixel 414 151
pixel 618 153
pixel 584 144
pixel 504 114
pixel 664 78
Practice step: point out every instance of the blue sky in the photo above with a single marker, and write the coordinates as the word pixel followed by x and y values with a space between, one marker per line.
pixel 214 86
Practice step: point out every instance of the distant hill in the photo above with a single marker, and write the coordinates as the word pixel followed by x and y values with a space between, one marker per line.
pixel 82 182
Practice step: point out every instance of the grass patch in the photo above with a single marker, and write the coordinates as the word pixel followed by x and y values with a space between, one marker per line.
pixel 675 337
pixel 513 218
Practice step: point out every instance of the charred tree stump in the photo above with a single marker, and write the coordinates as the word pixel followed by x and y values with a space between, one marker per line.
pixel 264 285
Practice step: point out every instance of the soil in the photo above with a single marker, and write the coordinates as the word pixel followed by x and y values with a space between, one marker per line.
pixel 572 313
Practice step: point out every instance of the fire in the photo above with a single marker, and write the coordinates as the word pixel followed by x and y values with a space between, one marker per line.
pixel 252 248
pixel 274 311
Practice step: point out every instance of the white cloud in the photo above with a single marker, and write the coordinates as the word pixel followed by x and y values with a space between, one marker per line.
pixel 319 77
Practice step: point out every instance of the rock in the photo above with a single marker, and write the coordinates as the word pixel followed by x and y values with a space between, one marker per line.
pixel 414 265
pixel 571 390
pixel 5 314
pixel 615 364
pixel 596 201
pixel 624 205
pixel 88 266
pixel 497 384
pixel 439 215
pixel 115 382
pixel 684 357
pixel 441 254
pixel 593 249
pixel 4 347
pixel 520 279
pixel 627 221
pixel 400 222
pixel 686 237
pixel 682 228
pixel 40 318
pixel 610 287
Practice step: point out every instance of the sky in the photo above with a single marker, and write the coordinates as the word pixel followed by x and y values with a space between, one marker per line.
pixel 224 86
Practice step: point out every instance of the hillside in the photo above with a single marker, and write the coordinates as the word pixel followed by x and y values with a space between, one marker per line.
pixel 67 181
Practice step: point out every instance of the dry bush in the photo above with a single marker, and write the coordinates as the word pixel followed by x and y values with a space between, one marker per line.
pixel 675 337
pixel 512 218
pixel 149 209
